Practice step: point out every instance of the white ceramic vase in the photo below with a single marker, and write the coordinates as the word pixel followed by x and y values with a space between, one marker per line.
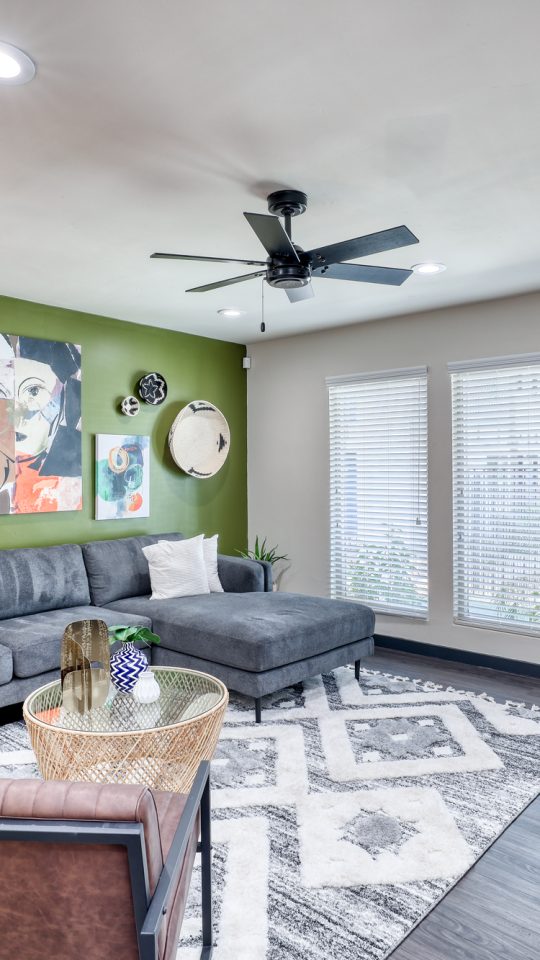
pixel 146 690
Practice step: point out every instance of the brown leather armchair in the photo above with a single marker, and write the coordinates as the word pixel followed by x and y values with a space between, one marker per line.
pixel 100 872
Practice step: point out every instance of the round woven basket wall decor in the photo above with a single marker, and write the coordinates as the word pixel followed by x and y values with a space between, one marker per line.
pixel 130 406
pixel 199 439
pixel 153 388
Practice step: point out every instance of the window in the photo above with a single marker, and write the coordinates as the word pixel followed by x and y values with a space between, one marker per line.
pixel 378 490
pixel 496 472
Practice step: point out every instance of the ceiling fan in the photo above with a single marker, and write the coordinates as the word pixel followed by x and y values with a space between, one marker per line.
pixel 290 268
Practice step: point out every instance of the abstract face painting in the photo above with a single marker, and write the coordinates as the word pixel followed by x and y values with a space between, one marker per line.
pixel 122 477
pixel 40 425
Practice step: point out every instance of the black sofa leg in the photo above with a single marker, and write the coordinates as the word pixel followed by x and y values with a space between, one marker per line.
pixel 206 875
pixel 258 704
pixel 357 669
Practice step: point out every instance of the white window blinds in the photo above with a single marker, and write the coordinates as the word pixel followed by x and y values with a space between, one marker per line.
pixel 378 490
pixel 496 474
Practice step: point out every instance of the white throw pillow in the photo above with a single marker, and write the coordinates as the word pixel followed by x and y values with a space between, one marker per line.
pixel 210 548
pixel 177 568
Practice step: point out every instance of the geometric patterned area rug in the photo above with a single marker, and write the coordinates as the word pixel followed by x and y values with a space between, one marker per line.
pixel 346 815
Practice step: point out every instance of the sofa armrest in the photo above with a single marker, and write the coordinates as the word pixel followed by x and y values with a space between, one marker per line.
pixel 268 575
pixel 238 575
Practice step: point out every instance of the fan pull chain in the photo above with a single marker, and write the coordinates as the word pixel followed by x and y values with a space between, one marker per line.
pixel 263 325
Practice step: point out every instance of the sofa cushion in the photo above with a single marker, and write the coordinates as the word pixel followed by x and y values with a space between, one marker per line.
pixel 6 664
pixel 210 554
pixel 41 578
pixel 34 641
pixel 119 568
pixel 253 631
pixel 177 569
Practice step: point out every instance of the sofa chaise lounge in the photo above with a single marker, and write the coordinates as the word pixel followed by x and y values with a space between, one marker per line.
pixel 257 641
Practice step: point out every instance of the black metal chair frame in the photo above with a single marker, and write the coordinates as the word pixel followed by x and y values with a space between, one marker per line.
pixel 149 912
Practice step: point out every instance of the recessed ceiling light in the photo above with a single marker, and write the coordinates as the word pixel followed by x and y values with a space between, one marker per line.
pixel 429 267
pixel 15 66
pixel 230 312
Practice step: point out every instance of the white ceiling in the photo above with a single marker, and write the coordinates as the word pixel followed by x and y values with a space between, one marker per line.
pixel 152 124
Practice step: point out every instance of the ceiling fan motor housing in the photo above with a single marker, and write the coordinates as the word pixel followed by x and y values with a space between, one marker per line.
pixel 288 275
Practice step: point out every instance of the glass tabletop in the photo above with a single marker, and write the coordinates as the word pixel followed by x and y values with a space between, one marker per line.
pixel 184 695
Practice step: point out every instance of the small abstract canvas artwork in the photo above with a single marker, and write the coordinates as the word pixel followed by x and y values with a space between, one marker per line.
pixel 40 425
pixel 122 477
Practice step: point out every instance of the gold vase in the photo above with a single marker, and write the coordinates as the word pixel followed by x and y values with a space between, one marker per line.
pixel 84 665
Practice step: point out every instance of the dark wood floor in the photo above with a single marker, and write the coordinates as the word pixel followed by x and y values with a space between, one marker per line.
pixel 462 676
pixel 493 912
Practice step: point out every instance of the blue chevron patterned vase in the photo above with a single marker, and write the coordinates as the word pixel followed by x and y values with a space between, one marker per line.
pixel 127 664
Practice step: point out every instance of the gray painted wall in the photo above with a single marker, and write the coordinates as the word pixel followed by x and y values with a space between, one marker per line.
pixel 288 443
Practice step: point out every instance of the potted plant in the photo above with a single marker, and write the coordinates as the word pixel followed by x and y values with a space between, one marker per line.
pixel 270 554
pixel 128 662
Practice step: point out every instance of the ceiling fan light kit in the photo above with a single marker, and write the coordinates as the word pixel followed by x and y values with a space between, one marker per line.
pixel 290 268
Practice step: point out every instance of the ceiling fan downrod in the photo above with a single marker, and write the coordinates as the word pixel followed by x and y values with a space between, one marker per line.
pixel 287 204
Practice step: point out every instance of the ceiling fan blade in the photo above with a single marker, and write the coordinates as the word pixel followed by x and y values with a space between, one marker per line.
pixel 226 283
pixel 364 273
pixel 362 246
pixel 185 256
pixel 300 293
pixel 272 235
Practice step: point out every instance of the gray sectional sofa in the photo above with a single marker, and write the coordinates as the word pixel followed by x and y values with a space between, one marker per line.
pixel 255 640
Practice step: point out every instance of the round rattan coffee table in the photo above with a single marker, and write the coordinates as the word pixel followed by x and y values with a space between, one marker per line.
pixel 159 744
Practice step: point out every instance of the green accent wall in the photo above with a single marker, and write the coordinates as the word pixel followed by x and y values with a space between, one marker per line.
pixel 115 355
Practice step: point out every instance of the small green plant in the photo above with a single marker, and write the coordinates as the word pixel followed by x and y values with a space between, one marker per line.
pixel 262 552
pixel 131 635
